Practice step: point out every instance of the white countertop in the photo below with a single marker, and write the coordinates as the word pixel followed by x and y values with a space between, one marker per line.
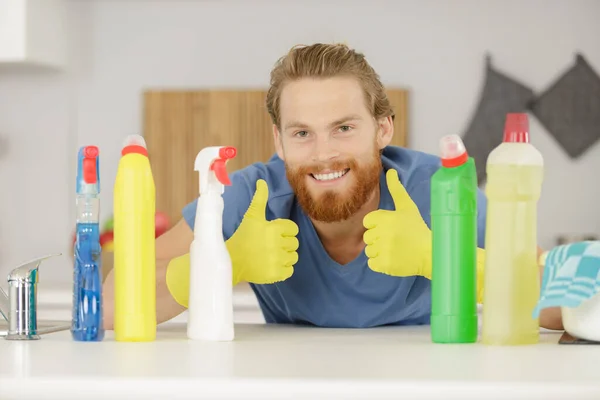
pixel 268 362
pixel 292 362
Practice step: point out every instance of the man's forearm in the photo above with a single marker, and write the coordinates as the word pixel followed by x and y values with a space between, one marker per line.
pixel 166 307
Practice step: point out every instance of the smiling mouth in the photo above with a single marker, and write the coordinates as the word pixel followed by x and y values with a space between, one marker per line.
pixel 331 176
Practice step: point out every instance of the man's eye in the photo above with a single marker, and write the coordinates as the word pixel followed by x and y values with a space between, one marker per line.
pixel 301 134
pixel 345 128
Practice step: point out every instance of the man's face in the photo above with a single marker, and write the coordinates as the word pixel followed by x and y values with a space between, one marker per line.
pixel 330 144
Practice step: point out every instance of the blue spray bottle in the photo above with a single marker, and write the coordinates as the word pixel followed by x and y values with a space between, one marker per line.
pixel 87 280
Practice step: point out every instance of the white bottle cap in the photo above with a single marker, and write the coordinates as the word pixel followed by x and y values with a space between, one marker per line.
pixel 451 146
pixel 134 140
pixel 452 151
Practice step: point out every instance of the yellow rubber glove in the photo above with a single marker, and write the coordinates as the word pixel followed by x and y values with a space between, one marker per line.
pixel 399 242
pixel 261 251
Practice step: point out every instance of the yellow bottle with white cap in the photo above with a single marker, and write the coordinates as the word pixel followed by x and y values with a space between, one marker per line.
pixel 515 175
pixel 134 245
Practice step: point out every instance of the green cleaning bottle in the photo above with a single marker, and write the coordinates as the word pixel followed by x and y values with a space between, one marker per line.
pixel 454 235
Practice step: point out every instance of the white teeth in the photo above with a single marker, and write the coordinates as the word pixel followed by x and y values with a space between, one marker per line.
pixel 329 176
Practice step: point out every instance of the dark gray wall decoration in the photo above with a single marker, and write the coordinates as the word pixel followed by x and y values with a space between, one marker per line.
pixel 570 108
pixel 501 95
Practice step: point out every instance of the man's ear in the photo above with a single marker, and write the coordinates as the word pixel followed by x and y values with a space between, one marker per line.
pixel 277 142
pixel 385 131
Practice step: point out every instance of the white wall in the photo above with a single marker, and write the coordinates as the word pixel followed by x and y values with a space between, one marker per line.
pixel 120 48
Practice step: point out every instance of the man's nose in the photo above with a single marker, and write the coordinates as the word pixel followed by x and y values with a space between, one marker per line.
pixel 324 149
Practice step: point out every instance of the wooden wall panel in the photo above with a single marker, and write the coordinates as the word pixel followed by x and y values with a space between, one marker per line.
pixel 178 124
pixel 399 100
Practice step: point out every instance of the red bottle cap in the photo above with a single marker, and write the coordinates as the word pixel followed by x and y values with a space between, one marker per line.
pixel 227 153
pixel 453 151
pixel 90 173
pixel 516 128
pixel 134 144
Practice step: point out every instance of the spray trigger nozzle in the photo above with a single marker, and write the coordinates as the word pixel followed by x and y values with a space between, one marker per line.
pixel 87 180
pixel 214 159
pixel 219 166
pixel 89 164
pixel 220 170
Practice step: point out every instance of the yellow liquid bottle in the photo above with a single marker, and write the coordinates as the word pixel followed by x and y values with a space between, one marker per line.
pixel 512 277
pixel 134 245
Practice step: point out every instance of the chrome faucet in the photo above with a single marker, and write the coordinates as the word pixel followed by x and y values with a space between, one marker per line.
pixel 19 307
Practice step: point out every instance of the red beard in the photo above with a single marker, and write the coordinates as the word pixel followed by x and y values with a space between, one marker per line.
pixel 333 206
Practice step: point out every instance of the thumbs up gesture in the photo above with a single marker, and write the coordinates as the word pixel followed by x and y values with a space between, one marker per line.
pixel 398 242
pixel 263 251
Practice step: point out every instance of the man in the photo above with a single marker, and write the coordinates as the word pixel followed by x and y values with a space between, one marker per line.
pixel 333 231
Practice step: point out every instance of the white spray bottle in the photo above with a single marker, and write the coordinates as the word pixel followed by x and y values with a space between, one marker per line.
pixel 210 305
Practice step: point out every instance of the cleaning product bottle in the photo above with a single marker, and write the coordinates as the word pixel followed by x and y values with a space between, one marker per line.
pixel 210 306
pixel 454 235
pixel 86 324
pixel 134 245
pixel 515 172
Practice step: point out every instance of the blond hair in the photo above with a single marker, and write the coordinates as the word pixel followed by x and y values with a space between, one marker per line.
pixel 325 61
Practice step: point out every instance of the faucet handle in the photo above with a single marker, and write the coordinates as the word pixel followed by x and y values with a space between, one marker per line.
pixel 27 272
pixel 21 301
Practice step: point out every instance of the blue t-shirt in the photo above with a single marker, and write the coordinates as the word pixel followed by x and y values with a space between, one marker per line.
pixel 322 292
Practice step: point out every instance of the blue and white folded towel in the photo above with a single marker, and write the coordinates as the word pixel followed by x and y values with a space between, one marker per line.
pixel 571 275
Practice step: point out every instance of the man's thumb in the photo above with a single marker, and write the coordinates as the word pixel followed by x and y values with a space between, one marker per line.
pixel 258 206
pixel 399 195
